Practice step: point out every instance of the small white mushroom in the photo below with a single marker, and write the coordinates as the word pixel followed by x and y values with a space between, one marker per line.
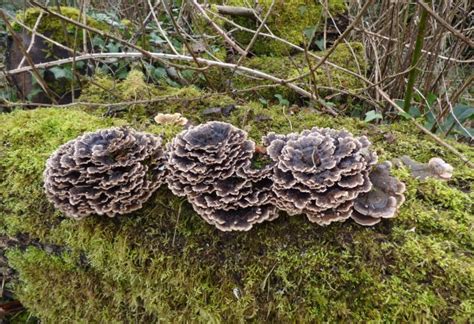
pixel 176 119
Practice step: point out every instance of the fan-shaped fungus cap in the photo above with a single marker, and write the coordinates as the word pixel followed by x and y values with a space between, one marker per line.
pixel 175 118
pixel 383 200
pixel 210 164
pixel 319 172
pixel 108 172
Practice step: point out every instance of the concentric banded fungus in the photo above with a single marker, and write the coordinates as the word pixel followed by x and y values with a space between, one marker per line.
pixel 108 172
pixel 383 200
pixel 319 172
pixel 210 164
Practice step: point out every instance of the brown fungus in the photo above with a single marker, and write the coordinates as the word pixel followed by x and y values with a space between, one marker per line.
pixel 319 172
pixel 383 200
pixel 211 165
pixel 109 172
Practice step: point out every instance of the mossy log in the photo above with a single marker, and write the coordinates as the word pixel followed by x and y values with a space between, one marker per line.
pixel 164 263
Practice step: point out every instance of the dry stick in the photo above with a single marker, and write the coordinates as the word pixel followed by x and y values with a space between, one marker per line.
pixel 456 120
pixel 328 13
pixel 94 30
pixel 455 96
pixel 188 47
pixel 296 47
pixel 218 29
pixel 162 32
pixel 103 34
pixel 416 57
pixel 255 36
pixel 312 76
pixel 34 70
pixel 445 23
pixel 68 49
pixel 161 56
pixel 406 45
pixel 33 36
pixel 236 11
pixel 121 103
pixel 338 40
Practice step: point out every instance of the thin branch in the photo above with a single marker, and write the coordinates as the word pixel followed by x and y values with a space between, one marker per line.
pixel 33 36
pixel 32 66
pixel 445 24
pixel 338 40
pixel 218 29
pixel 236 11
pixel 164 56
pixel 162 32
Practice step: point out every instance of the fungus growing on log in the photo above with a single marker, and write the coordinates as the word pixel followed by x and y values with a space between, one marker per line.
pixel 319 172
pixel 435 168
pixel 383 200
pixel 109 172
pixel 211 165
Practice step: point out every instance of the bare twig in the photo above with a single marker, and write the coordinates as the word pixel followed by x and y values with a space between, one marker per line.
pixel 236 11
pixel 162 32
pixel 33 36
pixel 34 69
pixel 445 23
pixel 218 29
pixel 164 56
pixel 338 40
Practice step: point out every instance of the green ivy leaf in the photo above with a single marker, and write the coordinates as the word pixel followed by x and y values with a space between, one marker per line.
pixel 372 115
pixel 160 73
pixel 97 41
pixel 320 44
pixel 282 101
pixel 309 32
pixel 113 47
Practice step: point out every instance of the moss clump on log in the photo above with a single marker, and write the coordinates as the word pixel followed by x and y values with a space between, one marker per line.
pixel 57 29
pixel 288 20
pixel 164 263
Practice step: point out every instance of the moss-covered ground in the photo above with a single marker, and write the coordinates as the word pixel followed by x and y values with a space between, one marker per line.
pixel 165 263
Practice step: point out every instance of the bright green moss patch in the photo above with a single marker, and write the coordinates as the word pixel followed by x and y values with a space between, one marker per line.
pixel 165 263
pixel 57 29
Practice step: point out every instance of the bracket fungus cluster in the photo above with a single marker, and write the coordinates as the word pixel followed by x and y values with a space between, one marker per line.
pixel 211 164
pixel 383 200
pixel 320 172
pixel 108 172
pixel 326 174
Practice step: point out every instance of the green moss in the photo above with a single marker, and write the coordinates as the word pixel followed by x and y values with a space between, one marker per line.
pixel 187 100
pixel 56 28
pixel 165 263
pixel 288 20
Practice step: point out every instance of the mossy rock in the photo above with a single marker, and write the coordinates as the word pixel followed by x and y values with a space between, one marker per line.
pixel 165 263
pixel 57 29
pixel 288 20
